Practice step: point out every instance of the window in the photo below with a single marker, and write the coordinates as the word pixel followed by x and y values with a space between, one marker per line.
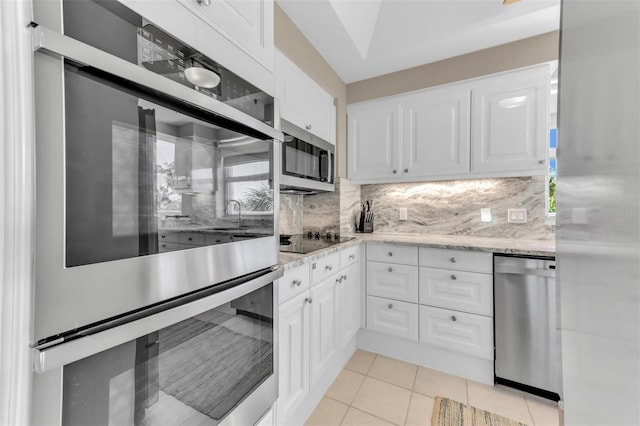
pixel 553 144
pixel 247 181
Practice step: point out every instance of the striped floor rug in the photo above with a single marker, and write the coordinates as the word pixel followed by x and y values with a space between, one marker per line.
pixel 447 412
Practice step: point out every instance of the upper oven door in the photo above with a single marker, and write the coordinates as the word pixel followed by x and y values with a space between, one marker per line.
pixel 146 189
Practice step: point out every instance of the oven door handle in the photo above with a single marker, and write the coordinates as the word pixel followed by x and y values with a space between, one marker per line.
pixel 56 43
pixel 48 358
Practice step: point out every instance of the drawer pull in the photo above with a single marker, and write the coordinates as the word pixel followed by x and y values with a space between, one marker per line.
pixel 190 239
pixel 163 236
pixel 308 299
pixel 338 280
pixel 389 269
pixel 297 282
pixel 406 170
pixel 453 318
pixel 453 260
pixel 204 2
pixel 352 256
pixel 328 268
pixel 453 277
pixel 389 254
pixel 344 276
pixel 390 306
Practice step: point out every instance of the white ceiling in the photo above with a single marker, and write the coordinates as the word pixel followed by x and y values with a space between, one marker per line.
pixel 367 38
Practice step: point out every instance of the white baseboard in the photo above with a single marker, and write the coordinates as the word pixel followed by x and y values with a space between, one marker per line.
pixel 304 410
pixel 476 369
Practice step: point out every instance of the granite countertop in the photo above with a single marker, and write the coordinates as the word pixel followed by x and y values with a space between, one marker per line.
pixel 457 242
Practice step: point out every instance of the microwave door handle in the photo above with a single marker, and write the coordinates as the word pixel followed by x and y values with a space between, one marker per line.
pixel 45 39
pixel 330 160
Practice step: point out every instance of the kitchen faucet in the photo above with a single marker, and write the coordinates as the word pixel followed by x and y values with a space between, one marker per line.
pixel 239 211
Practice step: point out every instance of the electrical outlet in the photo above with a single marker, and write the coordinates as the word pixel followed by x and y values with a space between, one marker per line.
pixel 517 215
pixel 485 214
pixel 403 213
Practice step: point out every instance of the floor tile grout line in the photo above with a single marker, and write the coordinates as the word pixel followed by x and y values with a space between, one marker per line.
pixel 526 401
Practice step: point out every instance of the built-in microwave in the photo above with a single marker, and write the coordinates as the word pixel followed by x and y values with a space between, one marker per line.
pixel 307 162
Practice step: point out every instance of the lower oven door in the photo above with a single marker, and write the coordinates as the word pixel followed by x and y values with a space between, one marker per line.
pixel 211 361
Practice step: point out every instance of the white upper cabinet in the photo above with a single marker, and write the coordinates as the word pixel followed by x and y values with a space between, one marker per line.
pixel 510 123
pixel 436 132
pixel 302 101
pixel 238 34
pixel 487 127
pixel 374 141
pixel 248 23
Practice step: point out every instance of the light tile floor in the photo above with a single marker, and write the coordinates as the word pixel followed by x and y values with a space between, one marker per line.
pixel 376 390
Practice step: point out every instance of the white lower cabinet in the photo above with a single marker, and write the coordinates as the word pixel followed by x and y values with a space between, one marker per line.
pixel 457 331
pixel 293 364
pixel 392 317
pixel 441 308
pixel 323 326
pixel 317 324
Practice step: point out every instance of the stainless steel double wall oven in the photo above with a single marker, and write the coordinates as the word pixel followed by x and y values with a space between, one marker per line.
pixel 156 228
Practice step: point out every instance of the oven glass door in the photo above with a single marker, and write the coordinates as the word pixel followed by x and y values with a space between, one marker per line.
pixel 193 372
pixel 304 160
pixel 146 174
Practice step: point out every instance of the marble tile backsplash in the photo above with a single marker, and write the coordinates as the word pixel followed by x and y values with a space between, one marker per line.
pixel 453 207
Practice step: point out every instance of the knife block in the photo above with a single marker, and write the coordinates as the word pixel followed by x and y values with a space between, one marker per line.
pixel 368 227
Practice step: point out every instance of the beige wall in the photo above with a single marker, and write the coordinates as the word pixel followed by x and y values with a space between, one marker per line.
pixel 529 51
pixel 290 41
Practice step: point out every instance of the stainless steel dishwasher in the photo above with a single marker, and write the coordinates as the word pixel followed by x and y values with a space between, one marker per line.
pixel 526 325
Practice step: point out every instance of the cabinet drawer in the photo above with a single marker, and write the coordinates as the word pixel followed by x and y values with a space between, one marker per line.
pixel 192 238
pixel 466 333
pixel 399 282
pixel 392 253
pixel 463 291
pixel 349 256
pixel 462 260
pixel 392 317
pixel 324 267
pixel 211 239
pixel 165 247
pixel 169 237
pixel 294 282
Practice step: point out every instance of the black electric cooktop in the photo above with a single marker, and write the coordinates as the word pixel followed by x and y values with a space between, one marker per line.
pixel 309 242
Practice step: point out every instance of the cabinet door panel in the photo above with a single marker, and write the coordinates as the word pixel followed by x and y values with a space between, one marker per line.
pixel 247 23
pixel 294 353
pixel 463 291
pixel 392 317
pixel 398 282
pixel 302 101
pixel 510 122
pixel 323 326
pixel 437 132
pixel 348 303
pixel 457 331
pixel 374 141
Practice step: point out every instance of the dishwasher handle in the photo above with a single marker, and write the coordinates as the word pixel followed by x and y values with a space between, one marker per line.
pixel 508 269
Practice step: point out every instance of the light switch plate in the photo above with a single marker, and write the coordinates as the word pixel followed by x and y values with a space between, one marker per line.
pixel 517 215
pixel 485 214
pixel 403 213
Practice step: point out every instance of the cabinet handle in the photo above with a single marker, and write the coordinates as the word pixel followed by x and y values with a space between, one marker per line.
pixel 297 282
pixel 328 268
pixel 406 170
pixel 308 300
pixel 453 318
pixel 204 2
pixel 352 256
pixel 453 277
pixel 190 239
pixel 344 276
pixel 308 126
pixel 542 161
pixel 313 265
pixel 453 260
pixel 395 171
pixel 390 306
pixel 389 269
pixel 338 280
pixel 390 254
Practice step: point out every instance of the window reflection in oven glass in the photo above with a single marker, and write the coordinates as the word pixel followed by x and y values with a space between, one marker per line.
pixel 193 372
